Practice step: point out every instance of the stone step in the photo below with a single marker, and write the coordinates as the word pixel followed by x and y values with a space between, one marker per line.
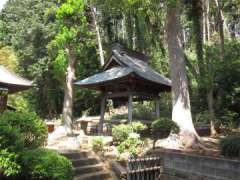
pixel 87 169
pixel 84 161
pixel 101 175
pixel 77 155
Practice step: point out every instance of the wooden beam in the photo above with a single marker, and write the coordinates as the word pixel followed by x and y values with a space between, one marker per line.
pixel 127 93
pixel 103 102
pixel 157 105
pixel 130 107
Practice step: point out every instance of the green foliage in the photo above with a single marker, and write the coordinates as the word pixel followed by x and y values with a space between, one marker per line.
pixel 19 132
pixel 121 132
pixel 20 102
pixel 138 126
pixel 228 119
pixel 8 58
pixel 230 147
pixel 130 144
pixel 97 144
pixel 119 116
pixel 8 163
pixel 143 111
pixel 26 28
pixel 202 117
pixel 46 164
pixel 31 128
pixel 164 125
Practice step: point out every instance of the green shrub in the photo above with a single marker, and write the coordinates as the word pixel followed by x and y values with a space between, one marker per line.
pixel 32 129
pixel 119 116
pixel 230 146
pixel 138 126
pixel 97 144
pixel 164 126
pixel 121 132
pixel 143 111
pixel 46 164
pixel 11 142
pixel 10 138
pixel 130 145
pixel 9 163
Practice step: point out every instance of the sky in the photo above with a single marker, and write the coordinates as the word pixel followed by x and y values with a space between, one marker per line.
pixel 2 2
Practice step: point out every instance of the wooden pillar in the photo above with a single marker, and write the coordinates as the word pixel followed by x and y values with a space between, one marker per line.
pixel 3 100
pixel 103 102
pixel 157 106
pixel 130 107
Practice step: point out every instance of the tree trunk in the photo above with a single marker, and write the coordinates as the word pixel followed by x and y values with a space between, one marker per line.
pixel 68 90
pixel 197 11
pixel 221 25
pixel 98 37
pixel 211 112
pixel 181 113
pixel 207 20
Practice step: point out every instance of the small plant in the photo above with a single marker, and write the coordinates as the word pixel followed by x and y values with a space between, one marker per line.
pixel 137 126
pixel 46 164
pixel 97 144
pixel 163 126
pixel 230 146
pixel 130 145
pixel 121 132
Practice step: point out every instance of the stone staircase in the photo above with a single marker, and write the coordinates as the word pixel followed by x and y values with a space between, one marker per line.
pixel 87 166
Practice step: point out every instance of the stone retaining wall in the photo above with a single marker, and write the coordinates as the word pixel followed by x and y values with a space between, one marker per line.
pixel 180 166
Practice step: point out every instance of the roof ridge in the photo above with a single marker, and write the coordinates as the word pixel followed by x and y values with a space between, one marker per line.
pixel 146 64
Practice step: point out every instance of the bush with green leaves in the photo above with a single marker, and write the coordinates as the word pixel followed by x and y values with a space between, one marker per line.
pixel 32 129
pixel 143 111
pixel 138 126
pixel 130 144
pixel 19 132
pixel 46 164
pixel 97 144
pixel 9 163
pixel 230 146
pixel 163 127
pixel 122 131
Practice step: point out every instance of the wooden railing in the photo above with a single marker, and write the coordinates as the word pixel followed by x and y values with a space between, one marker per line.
pixel 147 168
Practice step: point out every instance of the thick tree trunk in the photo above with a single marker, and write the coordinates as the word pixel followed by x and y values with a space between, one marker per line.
pixel 68 90
pixel 181 113
pixel 98 37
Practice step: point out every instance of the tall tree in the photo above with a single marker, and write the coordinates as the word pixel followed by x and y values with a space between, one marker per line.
pixel 99 39
pixel 181 112
pixel 27 27
pixel 71 41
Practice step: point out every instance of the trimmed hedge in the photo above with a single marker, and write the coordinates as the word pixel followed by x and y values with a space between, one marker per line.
pixel 230 146
pixel 161 128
